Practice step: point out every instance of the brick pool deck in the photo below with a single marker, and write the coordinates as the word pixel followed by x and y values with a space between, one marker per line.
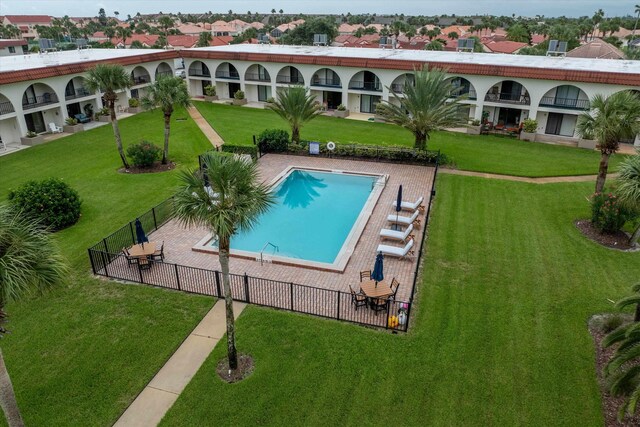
pixel 416 182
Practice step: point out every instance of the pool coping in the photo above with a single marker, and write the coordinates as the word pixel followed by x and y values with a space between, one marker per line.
pixel 351 241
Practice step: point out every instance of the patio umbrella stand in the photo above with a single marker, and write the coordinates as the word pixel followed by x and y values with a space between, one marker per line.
pixel 398 206
pixel 377 274
pixel 140 235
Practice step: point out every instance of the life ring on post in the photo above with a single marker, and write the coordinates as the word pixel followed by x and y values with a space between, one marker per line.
pixel 331 145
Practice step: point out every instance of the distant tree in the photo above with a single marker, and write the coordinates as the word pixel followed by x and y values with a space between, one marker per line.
pixel 273 11
pixel 204 39
pixel 519 33
pixel 635 25
pixel 165 23
pixel 136 44
pixel 303 33
pixel 453 35
pixel 123 33
pixel 281 11
pixel 102 17
pixel 110 32
pixel 436 44
pixel 631 53
pixel 433 33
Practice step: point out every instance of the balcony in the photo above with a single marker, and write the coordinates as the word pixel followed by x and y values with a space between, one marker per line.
pixel 568 103
pixel 257 77
pixel 370 86
pixel 509 98
pixel 326 82
pixel 200 73
pixel 39 101
pixel 292 80
pixel 78 93
pixel 231 75
pixel 6 108
pixel 470 94
pixel 140 80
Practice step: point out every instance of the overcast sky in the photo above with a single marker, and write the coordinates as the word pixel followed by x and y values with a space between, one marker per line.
pixel 408 7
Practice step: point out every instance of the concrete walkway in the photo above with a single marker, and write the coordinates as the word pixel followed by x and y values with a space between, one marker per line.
pixel 543 180
pixel 163 390
pixel 205 127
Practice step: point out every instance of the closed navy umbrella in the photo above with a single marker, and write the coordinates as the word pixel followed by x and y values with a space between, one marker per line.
pixel 398 205
pixel 140 236
pixel 377 274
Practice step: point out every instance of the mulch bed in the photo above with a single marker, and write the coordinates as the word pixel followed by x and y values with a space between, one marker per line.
pixel 618 240
pixel 245 368
pixel 157 167
pixel 610 404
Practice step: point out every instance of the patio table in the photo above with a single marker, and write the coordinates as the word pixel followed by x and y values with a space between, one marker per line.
pixel 383 290
pixel 142 251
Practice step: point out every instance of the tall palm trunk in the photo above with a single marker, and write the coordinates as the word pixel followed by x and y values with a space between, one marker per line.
pixel 602 172
pixel 232 354
pixel 295 134
pixel 8 400
pixel 167 130
pixel 421 141
pixel 116 133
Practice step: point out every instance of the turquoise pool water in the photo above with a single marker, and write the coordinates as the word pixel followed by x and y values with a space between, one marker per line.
pixel 312 217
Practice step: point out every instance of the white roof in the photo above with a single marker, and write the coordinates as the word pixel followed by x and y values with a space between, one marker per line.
pixel 544 62
pixel 36 60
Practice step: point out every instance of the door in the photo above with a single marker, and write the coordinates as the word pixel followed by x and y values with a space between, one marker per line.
pixel 511 91
pixel 73 109
pixel 554 124
pixel 35 122
pixel 263 93
pixel 567 96
pixel 233 88
pixel 294 75
pixel 368 103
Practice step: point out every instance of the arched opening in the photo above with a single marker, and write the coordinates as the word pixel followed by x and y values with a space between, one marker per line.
pixel 326 77
pixel 75 89
pixel 365 80
pixel 163 70
pixel 463 87
pixel 227 71
pixel 399 83
pixel 566 96
pixel 9 128
pixel 37 95
pixel 508 91
pixel 290 75
pixel 505 106
pixel 41 106
pixel 6 107
pixel 326 86
pixel 140 76
pixel 199 69
pixel 257 73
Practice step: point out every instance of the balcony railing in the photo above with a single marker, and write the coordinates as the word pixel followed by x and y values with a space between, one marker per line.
pixel 470 94
pixel 79 93
pixel 140 80
pixel 570 103
pixel 38 101
pixel 511 98
pixel 370 86
pixel 257 77
pixel 6 108
pixel 164 74
pixel 200 73
pixel 227 75
pixel 326 82
pixel 293 80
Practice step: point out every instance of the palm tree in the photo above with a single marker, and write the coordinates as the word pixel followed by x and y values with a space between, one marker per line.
pixel 167 92
pixel 632 300
pixel 29 261
pixel 297 107
pixel 110 78
pixel 629 188
pixel 231 202
pixel 124 33
pixel 635 26
pixel 610 120
pixel 425 106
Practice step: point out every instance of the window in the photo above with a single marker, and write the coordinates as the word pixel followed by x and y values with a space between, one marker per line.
pixel 12 49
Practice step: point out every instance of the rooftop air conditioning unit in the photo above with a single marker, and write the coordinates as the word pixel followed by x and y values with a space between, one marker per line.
pixel 320 39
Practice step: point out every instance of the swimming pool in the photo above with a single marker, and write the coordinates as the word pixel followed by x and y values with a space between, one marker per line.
pixel 316 219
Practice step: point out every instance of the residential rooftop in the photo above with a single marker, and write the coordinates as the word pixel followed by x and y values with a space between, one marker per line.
pixel 490 59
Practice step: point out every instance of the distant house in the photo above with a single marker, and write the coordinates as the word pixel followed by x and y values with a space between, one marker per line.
pixel 596 49
pixel 13 47
pixel 27 24
pixel 503 46
pixel 232 28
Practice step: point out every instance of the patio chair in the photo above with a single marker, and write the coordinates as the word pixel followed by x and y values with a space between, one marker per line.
pixel 386 233
pixel 411 206
pixel 357 299
pixel 131 260
pixel 81 118
pixel 404 220
pixel 500 125
pixel 365 275
pixel 394 287
pixel 55 128
pixel 158 255
pixel 379 304
pixel 396 251
pixel 144 263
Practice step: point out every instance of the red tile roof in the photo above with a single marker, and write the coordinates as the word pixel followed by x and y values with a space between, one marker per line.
pixel 12 42
pixel 28 19
pixel 220 40
pixel 630 79
pixel 81 67
pixel 504 46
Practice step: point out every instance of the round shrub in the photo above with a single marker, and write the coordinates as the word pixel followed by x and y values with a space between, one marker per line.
pixel 144 154
pixel 134 102
pixel 607 213
pixel 530 126
pixel 273 140
pixel 239 94
pixel 52 201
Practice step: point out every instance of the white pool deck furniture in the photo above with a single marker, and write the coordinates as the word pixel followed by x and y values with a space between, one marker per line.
pixel 404 220
pixel 387 233
pixel 396 251
pixel 410 206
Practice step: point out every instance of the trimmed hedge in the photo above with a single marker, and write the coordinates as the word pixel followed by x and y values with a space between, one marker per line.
pixel 273 141
pixel 51 201
pixel 144 154
pixel 252 150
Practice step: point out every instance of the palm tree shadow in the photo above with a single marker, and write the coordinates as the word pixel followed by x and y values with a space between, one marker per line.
pixel 300 192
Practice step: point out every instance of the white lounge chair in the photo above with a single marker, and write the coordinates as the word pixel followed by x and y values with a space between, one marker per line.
pixel 411 206
pixel 396 251
pixel 55 128
pixel 404 220
pixel 386 233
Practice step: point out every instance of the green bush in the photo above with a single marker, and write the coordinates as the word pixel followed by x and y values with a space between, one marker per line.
pixel 239 95
pixel 273 140
pixel 252 150
pixel 342 107
pixel 50 201
pixel 134 102
pixel 530 126
pixel 71 121
pixel 607 213
pixel 400 155
pixel 210 90
pixel 144 154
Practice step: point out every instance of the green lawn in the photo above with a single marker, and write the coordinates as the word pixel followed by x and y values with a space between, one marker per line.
pixel 81 353
pixel 499 337
pixel 475 153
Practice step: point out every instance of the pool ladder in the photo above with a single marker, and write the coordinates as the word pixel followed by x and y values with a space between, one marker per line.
pixel 264 247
